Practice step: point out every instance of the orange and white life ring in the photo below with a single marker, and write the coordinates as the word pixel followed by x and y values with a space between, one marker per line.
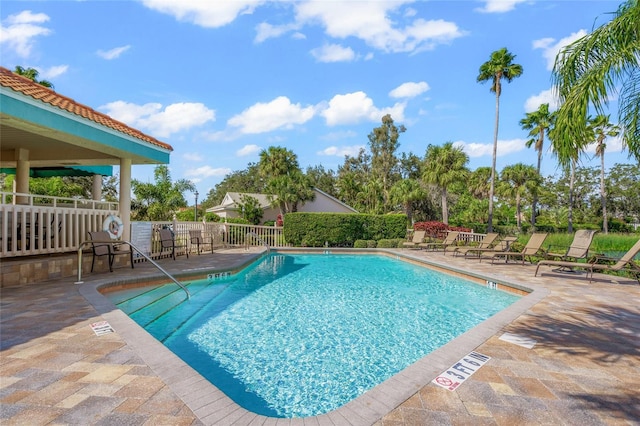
pixel 113 225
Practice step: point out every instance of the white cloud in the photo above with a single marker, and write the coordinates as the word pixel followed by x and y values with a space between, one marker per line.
pixel 248 150
pixel 474 149
pixel 207 171
pixel 113 53
pixel 499 6
pixel 409 90
pixel 550 49
pixel 161 123
pixel 53 72
pixel 544 97
pixel 333 53
pixel 266 31
pixel 341 151
pixel 19 31
pixel 192 156
pixel 356 107
pixel 370 22
pixel 280 113
pixel 208 14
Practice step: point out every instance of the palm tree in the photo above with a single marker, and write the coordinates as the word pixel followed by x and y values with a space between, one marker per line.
pixel 406 192
pixel 277 161
pixel 445 165
pixel 499 66
pixel 603 128
pixel 538 123
pixel 32 74
pixel 591 70
pixel 518 179
pixel 479 182
pixel 572 146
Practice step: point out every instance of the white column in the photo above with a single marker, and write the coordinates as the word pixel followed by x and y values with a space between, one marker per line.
pixel 96 190
pixel 125 197
pixel 22 174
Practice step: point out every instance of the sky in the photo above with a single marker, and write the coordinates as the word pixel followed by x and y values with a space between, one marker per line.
pixel 222 80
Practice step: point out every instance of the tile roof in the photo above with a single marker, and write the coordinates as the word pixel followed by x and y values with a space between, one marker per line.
pixel 30 88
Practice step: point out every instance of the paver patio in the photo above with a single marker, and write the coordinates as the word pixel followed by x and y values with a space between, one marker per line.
pixel 584 368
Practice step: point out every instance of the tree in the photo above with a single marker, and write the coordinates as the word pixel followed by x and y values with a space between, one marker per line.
pixel 444 166
pixel 500 66
pixel 406 192
pixel 352 176
pixel 250 209
pixel 32 74
pixel 324 180
pixel 603 128
pixel 479 182
pixel 161 200
pixel 600 66
pixel 247 180
pixel 538 123
pixel 383 143
pixel 518 180
pixel 277 161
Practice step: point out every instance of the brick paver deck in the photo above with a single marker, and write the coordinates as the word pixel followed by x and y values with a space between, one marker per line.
pixel 584 368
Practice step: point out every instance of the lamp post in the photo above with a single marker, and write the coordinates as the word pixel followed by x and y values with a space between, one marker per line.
pixel 195 209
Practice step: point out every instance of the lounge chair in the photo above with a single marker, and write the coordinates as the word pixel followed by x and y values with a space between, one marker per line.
pixel 502 246
pixel 418 237
pixel 168 242
pixel 195 237
pixel 579 248
pixel 486 242
pixel 625 261
pixel 450 239
pixel 102 246
pixel 532 247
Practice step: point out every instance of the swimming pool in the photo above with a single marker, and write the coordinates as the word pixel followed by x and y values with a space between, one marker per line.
pixel 294 336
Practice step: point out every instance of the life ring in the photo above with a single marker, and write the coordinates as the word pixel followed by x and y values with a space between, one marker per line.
pixel 113 226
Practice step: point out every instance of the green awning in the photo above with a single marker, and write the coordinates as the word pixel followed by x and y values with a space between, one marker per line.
pixel 44 172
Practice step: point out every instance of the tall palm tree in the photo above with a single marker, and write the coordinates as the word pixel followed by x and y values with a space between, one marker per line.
pixel 596 68
pixel 445 165
pixel 572 146
pixel 406 192
pixel 603 128
pixel 518 179
pixel 538 123
pixel 277 161
pixel 500 66
pixel 32 74
pixel 479 182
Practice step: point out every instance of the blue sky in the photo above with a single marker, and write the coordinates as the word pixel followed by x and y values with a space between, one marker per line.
pixel 221 80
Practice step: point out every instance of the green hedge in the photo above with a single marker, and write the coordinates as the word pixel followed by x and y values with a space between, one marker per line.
pixel 340 229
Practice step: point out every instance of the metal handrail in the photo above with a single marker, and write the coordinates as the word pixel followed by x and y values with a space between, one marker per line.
pixel 257 237
pixel 133 247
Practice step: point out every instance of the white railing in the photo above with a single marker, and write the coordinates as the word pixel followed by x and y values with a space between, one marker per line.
pixel 19 198
pixel 27 230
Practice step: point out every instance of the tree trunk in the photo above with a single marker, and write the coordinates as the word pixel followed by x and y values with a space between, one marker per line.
pixel 603 196
pixel 445 208
pixel 493 161
pixel 571 183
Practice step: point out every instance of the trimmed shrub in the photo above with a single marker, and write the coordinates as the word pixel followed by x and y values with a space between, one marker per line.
pixel 340 229
pixel 365 244
pixel 390 243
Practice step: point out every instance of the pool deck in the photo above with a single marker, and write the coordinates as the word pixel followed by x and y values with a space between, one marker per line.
pixel 584 368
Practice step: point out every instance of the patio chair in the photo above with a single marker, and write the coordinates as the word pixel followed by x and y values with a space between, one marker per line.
pixel 579 248
pixel 168 242
pixel 532 247
pixel 486 242
pixel 418 237
pixel 502 246
pixel 626 261
pixel 101 246
pixel 450 239
pixel 195 237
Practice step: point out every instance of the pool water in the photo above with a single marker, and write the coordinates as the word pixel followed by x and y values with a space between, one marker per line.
pixel 301 335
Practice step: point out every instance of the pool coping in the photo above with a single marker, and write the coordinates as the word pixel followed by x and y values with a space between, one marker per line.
pixel 212 406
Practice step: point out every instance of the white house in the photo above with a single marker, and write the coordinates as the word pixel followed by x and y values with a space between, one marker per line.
pixel 322 203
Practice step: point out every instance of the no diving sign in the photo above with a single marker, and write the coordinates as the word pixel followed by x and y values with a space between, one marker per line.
pixel 461 371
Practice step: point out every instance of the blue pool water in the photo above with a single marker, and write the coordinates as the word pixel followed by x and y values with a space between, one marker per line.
pixel 301 335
